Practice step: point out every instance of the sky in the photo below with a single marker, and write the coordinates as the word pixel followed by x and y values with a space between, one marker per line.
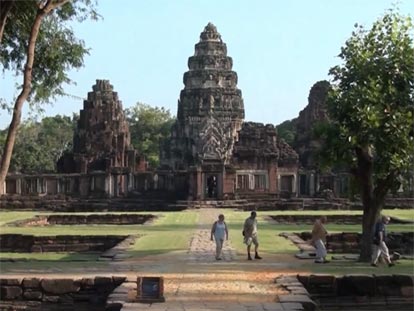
pixel 279 50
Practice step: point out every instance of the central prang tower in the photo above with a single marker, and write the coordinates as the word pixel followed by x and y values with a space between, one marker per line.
pixel 210 109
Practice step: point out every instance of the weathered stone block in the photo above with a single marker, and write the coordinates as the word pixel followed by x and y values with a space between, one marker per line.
pixel 50 298
pixel 31 283
pixel 10 292
pixel 15 282
pixel 357 285
pixel 36 249
pixel 30 294
pixel 60 286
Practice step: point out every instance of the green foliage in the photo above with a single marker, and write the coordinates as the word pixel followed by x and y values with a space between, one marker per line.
pixel 40 144
pixel 149 126
pixel 372 100
pixel 57 49
pixel 287 131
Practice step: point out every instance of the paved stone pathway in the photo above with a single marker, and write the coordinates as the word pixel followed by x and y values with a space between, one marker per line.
pixel 201 248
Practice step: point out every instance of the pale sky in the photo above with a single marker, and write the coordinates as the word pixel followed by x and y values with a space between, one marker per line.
pixel 279 50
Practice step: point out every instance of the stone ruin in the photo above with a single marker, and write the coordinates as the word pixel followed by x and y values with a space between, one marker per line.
pixel 305 144
pixel 102 141
pixel 223 157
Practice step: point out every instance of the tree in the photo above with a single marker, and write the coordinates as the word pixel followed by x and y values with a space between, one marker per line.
pixel 149 126
pixel 37 43
pixel 287 130
pixel 371 110
pixel 40 144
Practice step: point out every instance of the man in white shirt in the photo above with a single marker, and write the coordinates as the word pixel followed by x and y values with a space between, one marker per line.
pixel 250 235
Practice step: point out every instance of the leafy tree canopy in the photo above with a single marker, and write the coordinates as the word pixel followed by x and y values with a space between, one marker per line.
pixel 372 100
pixel 287 131
pixel 149 126
pixel 40 144
pixel 57 48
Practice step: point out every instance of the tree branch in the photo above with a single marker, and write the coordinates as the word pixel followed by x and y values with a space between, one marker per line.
pixel 5 8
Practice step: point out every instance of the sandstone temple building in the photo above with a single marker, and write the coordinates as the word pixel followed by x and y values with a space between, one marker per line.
pixel 212 153
pixel 218 153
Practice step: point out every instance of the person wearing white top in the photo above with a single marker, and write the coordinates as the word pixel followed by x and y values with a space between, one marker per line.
pixel 219 232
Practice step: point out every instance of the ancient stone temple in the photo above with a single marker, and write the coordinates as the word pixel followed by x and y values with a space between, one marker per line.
pixel 311 180
pixel 101 143
pixel 213 152
pixel 315 112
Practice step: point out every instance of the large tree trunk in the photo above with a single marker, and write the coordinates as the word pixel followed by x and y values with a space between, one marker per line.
pixel 27 82
pixel 363 174
pixel 372 199
pixel 5 8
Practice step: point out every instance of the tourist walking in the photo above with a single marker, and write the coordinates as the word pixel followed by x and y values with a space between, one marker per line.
pixel 319 234
pixel 379 248
pixel 219 232
pixel 250 235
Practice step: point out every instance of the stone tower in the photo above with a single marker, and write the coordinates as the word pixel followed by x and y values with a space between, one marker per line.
pixel 101 140
pixel 210 109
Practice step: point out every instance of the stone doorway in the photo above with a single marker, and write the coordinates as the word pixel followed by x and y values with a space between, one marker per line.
pixel 211 186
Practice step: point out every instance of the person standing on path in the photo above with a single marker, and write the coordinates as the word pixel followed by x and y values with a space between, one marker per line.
pixel 250 235
pixel 319 234
pixel 219 231
pixel 379 246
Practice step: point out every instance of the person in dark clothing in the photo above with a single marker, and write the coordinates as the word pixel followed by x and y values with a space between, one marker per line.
pixel 379 246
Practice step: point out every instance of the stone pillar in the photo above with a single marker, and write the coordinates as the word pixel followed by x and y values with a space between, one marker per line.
pixel 130 182
pixel 219 186
pixel 108 185
pixel 84 185
pixel 116 185
pixel 294 184
pixel 273 180
pixel 19 186
pixel 311 178
pixel 200 185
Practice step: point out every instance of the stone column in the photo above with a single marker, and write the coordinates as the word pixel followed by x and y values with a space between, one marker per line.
pixel 200 185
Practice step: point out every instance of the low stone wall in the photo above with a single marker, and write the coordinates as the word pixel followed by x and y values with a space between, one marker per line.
pixel 76 204
pixel 348 242
pixel 376 291
pixel 337 219
pixel 56 294
pixel 59 243
pixel 98 219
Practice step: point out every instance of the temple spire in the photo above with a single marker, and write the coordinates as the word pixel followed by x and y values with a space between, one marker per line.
pixel 210 34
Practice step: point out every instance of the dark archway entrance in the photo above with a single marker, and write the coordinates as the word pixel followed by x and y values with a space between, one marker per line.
pixel 211 189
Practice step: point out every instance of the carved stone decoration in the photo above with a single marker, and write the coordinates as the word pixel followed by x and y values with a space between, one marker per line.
pixel 215 141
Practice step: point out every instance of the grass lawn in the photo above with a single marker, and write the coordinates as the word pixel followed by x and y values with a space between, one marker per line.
pixel 172 231
pixel 51 256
